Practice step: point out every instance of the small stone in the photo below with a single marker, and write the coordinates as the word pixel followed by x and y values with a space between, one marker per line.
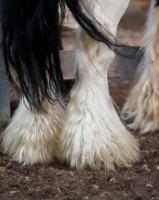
pixel 157 167
pixel 149 185
pixel 9 165
pixel 113 181
pixel 14 192
pixel 145 167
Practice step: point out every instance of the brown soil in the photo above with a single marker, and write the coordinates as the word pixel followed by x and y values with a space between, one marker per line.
pixel 58 181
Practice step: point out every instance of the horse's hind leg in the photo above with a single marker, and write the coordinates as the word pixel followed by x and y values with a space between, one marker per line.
pixel 143 103
pixel 93 134
pixel 32 137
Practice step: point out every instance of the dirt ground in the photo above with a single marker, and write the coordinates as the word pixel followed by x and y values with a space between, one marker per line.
pixel 58 181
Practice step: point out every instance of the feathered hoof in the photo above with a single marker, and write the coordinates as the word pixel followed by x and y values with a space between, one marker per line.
pixel 33 137
pixel 97 143
pixel 141 110
pixel 141 120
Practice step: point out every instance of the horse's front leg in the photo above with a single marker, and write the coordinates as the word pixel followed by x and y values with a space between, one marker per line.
pixel 93 134
pixel 142 105
pixel 33 137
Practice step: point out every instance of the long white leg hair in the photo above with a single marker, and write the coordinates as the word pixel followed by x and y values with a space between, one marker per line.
pixel 142 105
pixel 93 135
pixel 33 137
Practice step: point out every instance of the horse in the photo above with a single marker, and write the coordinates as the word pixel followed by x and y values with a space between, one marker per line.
pixel 142 106
pixel 87 133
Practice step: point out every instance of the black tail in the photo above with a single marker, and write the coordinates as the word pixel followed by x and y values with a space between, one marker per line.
pixel 30 47
pixel 31 40
pixel 157 3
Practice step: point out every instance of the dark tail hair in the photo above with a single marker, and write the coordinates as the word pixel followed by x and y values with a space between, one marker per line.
pixel 157 3
pixel 30 42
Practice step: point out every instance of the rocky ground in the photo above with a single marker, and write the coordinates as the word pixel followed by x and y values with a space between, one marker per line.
pixel 58 181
